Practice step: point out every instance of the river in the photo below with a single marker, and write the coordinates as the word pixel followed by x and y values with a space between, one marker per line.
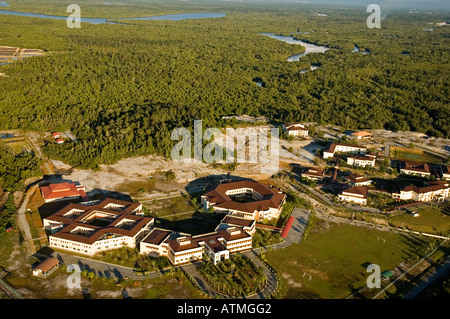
pixel 310 47
pixel 170 17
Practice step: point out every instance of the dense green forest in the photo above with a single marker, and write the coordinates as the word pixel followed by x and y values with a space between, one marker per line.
pixel 16 168
pixel 7 215
pixel 122 89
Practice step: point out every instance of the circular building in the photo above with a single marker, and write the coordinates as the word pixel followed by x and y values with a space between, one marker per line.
pixel 247 199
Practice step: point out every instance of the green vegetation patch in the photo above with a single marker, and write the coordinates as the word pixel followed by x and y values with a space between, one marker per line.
pixel 169 206
pixel 237 276
pixel 430 219
pixel 336 258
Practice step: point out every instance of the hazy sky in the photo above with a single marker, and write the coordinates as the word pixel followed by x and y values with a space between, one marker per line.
pixel 409 4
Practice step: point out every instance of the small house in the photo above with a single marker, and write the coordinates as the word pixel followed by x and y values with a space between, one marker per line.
pixel 46 267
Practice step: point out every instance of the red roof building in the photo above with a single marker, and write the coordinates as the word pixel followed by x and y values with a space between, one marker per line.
pixel 88 229
pixel 63 191
pixel 265 202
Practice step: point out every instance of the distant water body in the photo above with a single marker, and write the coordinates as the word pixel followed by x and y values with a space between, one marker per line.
pixel 171 17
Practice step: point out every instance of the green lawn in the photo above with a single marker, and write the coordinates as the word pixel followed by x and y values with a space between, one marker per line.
pixel 336 258
pixel 430 220
pixel 168 207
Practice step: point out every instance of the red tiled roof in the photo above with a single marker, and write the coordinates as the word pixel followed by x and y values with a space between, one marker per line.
pixel 416 166
pixel 433 186
pixel 47 264
pixel 157 236
pixel 272 197
pixel 311 171
pixel 61 190
pixel 70 224
pixel 357 178
pixel 238 221
pixel 357 190
pixel 361 133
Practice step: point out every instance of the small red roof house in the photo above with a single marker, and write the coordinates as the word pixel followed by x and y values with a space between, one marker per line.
pixel 63 191
pixel 358 180
pixel 56 134
pixel 313 173
pixel 362 135
pixel 46 267
pixel 59 141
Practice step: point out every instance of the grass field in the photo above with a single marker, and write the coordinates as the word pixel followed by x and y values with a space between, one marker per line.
pixel 336 257
pixel 412 154
pixel 169 206
pixel 430 220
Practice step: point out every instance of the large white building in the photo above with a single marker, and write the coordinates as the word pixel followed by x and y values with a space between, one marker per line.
pixel 355 194
pixel 90 229
pixel 437 190
pixel 234 234
pixel 361 161
pixel 343 148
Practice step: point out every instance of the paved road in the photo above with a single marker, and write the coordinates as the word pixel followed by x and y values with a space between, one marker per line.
pixel 22 220
pixel 271 283
pixel 295 235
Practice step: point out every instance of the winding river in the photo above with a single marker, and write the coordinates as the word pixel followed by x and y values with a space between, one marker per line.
pixel 310 47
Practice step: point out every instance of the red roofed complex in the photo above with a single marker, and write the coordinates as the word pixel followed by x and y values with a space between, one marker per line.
pixel 183 248
pixel 89 229
pixel 63 191
pixel 246 199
